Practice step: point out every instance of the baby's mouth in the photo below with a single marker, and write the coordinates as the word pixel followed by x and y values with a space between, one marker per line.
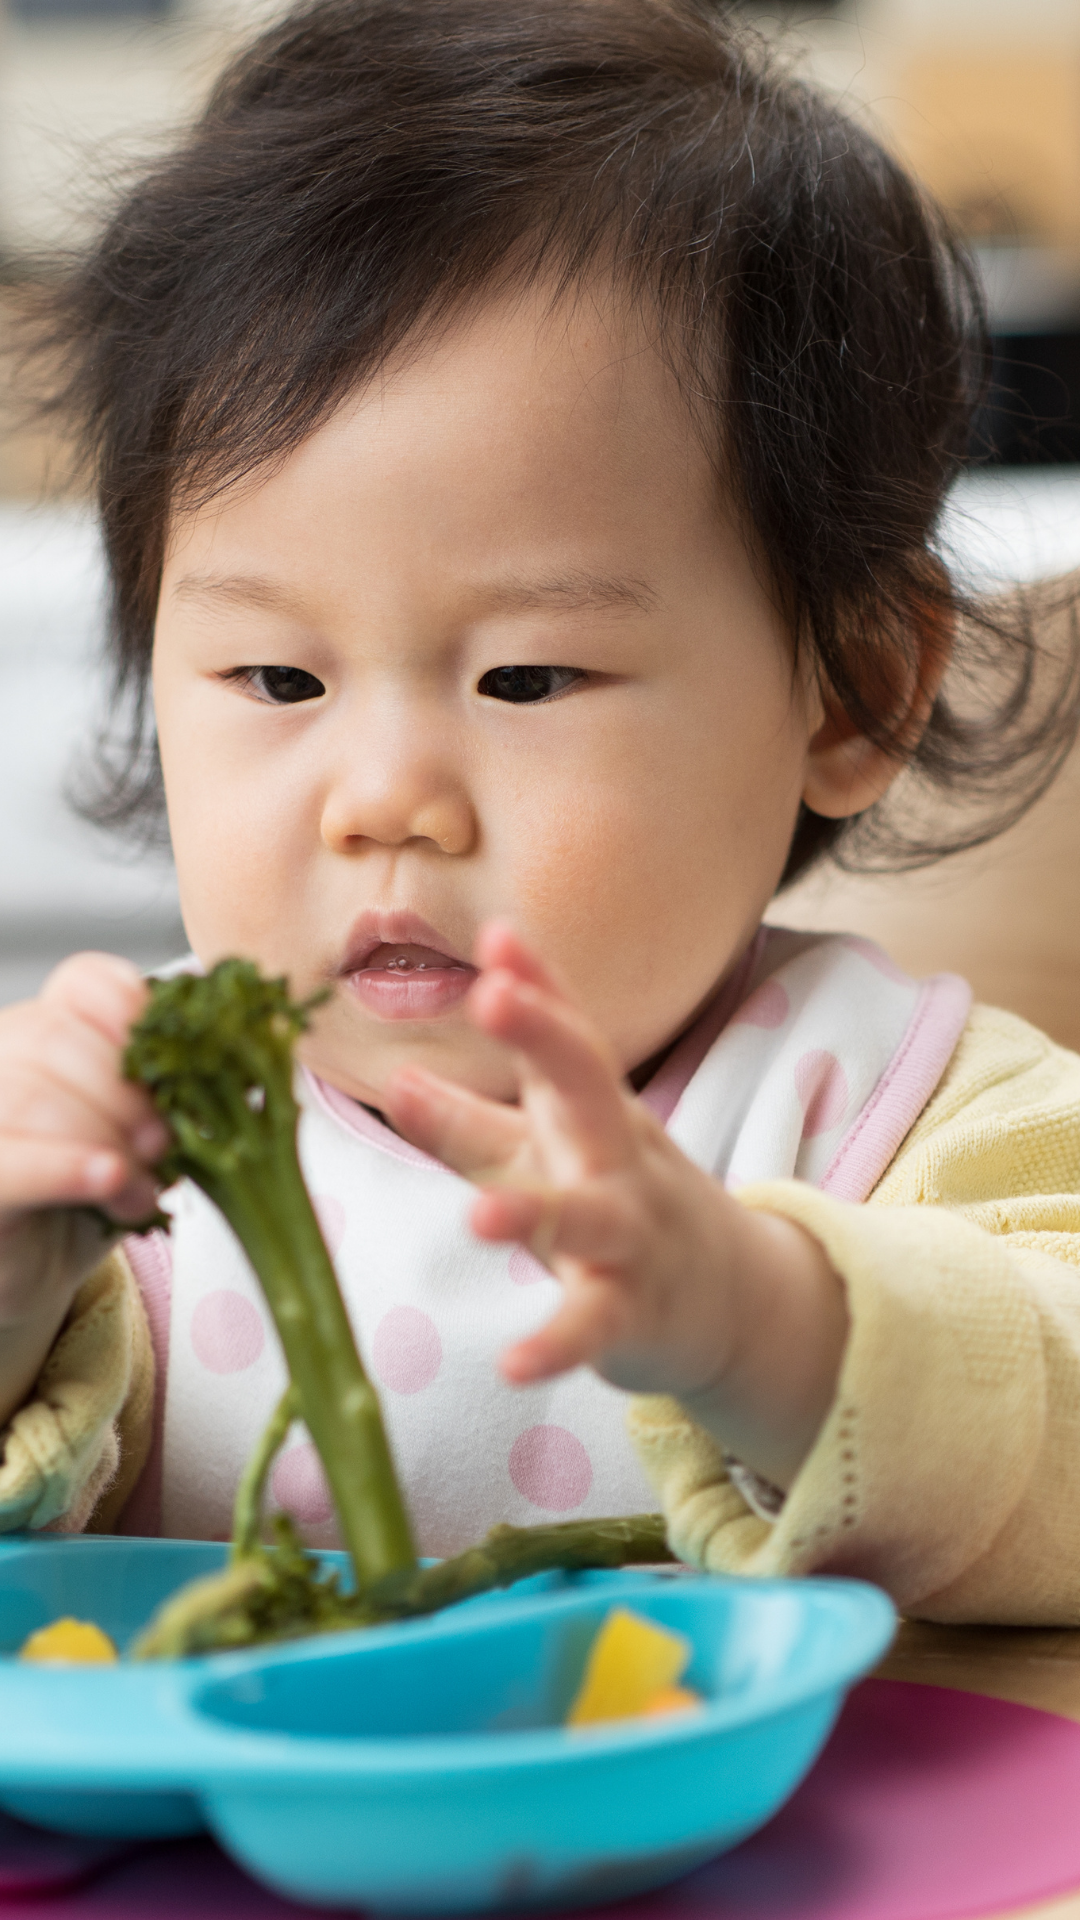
pixel 401 980
pixel 402 960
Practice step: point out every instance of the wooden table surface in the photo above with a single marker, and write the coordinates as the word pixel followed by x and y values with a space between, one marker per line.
pixel 1032 1666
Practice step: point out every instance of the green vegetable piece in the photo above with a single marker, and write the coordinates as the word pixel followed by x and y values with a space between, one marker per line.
pixel 215 1052
pixel 510 1553
pixel 280 1592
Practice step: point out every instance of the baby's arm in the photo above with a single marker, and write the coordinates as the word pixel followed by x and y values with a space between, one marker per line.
pixel 670 1285
pixel 72 1131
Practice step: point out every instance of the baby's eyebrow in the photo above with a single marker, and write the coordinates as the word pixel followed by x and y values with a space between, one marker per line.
pixel 238 589
pixel 578 591
pixel 572 592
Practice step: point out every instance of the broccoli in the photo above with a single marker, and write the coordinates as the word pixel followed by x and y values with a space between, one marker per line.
pixel 215 1052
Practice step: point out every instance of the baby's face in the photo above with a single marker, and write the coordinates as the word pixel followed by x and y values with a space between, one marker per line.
pixel 487 644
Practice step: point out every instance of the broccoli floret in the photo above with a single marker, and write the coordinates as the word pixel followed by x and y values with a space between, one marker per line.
pixel 215 1051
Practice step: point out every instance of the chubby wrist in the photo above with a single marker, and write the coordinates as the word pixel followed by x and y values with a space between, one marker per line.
pixel 789 1330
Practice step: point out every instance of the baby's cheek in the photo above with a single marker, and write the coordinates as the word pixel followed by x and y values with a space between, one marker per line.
pixel 630 908
pixel 241 877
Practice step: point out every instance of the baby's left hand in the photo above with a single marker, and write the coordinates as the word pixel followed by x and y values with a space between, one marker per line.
pixel 670 1285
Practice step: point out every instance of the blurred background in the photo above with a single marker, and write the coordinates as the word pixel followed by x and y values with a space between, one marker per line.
pixel 982 99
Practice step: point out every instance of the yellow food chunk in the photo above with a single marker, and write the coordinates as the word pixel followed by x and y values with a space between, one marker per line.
pixel 672 1700
pixel 630 1662
pixel 69 1643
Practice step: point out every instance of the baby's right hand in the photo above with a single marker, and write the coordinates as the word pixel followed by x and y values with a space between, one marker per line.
pixel 73 1132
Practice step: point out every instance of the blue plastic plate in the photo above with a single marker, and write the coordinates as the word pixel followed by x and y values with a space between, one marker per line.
pixel 424 1767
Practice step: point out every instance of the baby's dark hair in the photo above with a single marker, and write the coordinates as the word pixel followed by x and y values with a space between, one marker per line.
pixel 365 166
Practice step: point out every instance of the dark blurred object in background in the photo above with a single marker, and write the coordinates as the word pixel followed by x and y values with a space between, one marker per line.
pixel 1032 413
pixel 48 11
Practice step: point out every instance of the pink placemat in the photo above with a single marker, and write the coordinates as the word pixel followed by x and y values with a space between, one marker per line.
pixel 926 1805
pixel 33 1862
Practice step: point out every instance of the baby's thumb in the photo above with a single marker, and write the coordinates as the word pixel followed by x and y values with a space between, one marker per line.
pixel 109 993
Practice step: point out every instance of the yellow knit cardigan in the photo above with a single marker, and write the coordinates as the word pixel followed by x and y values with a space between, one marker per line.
pixel 948 1468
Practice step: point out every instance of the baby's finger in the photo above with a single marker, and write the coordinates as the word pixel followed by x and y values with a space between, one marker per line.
pixel 508 1213
pixel 587 1324
pixel 38 1172
pixel 460 1128
pixel 61 1062
pixel 498 945
pixel 102 989
pixel 559 1044
pixel 583 1223
pixel 107 994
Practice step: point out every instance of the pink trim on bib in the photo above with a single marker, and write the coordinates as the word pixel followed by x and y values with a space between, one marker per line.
pixel 150 1259
pixel 360 1121
pixel 902 1092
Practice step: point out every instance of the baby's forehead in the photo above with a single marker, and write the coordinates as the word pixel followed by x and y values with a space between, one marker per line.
pixel 590 344
pixel 526 483
pixel 547 436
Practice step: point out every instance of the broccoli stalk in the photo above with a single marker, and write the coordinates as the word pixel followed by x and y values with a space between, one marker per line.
pixel 215 1051
pixel 282 1592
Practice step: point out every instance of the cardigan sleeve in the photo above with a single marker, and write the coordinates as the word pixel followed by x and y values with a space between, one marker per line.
pixel 948 1467
pixel 71 1455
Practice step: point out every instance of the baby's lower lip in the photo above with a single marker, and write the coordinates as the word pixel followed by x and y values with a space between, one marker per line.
pixel 416 993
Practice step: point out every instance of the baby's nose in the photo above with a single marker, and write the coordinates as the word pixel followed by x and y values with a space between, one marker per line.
pixel 392 813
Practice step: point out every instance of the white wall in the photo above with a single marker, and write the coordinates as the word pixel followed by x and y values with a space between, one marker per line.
pixel 63 884
pixel 77 101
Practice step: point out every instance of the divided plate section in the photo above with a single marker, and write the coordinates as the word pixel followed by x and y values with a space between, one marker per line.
pixel 425 1766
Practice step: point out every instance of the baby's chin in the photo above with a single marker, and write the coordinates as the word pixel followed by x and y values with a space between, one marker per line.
pixel 359 1056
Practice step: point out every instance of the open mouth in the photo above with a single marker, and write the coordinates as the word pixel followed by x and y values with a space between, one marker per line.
pixel 402 978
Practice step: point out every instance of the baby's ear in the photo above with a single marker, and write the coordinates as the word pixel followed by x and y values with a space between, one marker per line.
pixel 846 771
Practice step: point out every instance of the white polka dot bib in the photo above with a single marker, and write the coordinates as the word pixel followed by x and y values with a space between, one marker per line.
pixel 813 1062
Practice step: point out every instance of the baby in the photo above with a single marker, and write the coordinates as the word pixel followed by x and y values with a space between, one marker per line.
pixel 520 435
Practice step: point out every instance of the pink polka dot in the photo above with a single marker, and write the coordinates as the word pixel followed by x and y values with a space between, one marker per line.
pixel 406 1350
pixel 768 1007
pixel 524 1269
pixel 298 1484
pixel 550 1467
pixel 821 1084
pixel 226 1332
pixel 332 1219
pixel 877 958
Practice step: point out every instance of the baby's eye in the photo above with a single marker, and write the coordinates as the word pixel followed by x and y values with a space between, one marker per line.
pixel 521 684
pixel 284 686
